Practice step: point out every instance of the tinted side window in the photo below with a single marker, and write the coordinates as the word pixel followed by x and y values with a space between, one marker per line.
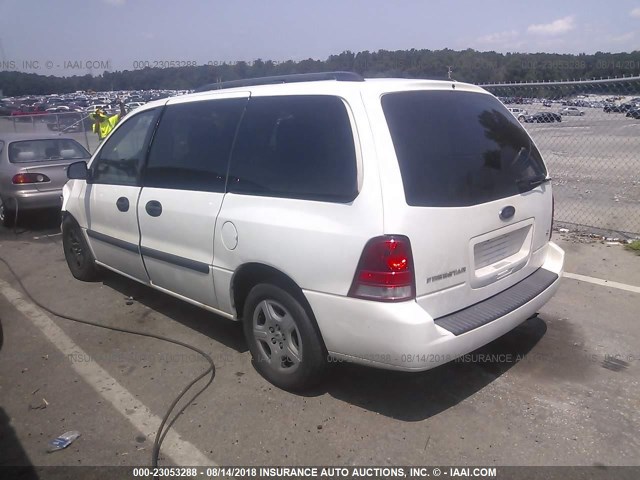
pixel 190 150
pixel 459 148
pixel 295 147
pixel 122 155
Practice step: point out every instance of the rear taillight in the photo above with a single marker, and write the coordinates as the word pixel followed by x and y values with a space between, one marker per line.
pixel 22 178
pixel 385 271
pixel 553 212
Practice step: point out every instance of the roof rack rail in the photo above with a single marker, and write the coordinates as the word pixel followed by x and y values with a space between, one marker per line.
pixel 294 78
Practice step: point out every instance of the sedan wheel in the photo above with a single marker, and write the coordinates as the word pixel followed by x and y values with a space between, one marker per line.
pixel 7 216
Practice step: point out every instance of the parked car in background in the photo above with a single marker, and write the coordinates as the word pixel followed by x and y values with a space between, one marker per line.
pixel 519 113
pixel 93 108
pixel 69 122
pixel 614 108
pixel 634 113
pixel 547 103
pixel 58 109
pixel 28 110
pixel 33 170
pixel 132 105
pixel 571 111
pixel 543 117
pixel 6 109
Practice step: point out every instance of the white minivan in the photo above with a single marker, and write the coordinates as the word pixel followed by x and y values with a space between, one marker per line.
pixel 390 222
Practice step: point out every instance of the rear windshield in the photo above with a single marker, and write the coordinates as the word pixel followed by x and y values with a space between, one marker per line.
pixel 44 150
pixel 459 148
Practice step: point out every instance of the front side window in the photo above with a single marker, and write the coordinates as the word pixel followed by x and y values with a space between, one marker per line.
pixel 122 155
pixel 43 150
pixel 190 150
pixel 459 148
pixel 295 147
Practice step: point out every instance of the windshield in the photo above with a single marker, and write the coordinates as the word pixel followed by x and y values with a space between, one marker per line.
pixel 46 149
pixel 459 148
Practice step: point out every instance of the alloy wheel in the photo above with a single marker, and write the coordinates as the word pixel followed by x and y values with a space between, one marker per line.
pixel 277 336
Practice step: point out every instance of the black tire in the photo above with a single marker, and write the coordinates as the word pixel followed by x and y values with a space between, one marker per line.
pixel 285 344
pixel 80 260
pixel 7 215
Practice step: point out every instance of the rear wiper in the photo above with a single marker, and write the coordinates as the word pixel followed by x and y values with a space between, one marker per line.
pixel 534 181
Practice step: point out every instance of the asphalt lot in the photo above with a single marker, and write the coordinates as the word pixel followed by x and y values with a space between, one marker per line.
pixel 595 165
pixel 561 389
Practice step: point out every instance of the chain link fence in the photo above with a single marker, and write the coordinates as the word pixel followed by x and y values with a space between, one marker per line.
pixel 74 125
pixel 588 131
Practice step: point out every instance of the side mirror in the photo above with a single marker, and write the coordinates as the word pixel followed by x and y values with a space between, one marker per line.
pixel 78 171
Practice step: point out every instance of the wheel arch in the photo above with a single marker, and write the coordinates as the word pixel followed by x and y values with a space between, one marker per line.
pixel 251 274
pixel 69 217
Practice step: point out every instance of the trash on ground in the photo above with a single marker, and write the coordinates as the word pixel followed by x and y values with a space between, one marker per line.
pixel 63 441
pixel 41 405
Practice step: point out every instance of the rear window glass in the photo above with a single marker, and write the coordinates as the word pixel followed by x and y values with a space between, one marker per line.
pixel 295 147
pixel 45 150
pixel 459 148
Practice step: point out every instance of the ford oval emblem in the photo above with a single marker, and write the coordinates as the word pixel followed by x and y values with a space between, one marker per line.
pixel 507 212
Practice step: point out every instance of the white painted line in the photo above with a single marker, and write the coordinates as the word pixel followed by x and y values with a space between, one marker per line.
pixel 604 283
pixel 180 451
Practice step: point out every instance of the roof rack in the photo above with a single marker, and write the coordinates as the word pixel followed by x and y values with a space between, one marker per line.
pixel 295 78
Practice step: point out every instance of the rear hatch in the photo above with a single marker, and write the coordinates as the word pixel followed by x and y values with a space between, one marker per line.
pixel 479 203
pixel 49 157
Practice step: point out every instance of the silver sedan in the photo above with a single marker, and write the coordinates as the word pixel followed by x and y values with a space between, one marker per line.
pixel 33 170
pixel 571 111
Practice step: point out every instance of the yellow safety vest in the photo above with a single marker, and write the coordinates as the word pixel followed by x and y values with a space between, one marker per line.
pixel 105 124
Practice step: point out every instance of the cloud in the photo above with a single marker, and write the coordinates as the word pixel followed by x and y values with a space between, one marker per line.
pixel 557 27
pixel 498 37
pixel 635 12
pixel 625 37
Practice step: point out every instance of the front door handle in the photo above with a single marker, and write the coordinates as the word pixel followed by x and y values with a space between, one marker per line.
pixel 153 208
pixel 123 204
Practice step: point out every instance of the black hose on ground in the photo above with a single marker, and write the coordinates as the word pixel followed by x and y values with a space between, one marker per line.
pixel 167 420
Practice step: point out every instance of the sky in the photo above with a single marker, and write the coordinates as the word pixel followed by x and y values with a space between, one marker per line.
pixel 75 37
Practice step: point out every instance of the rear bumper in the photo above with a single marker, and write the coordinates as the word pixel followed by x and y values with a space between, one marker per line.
pixel 34 199
pixel 404 336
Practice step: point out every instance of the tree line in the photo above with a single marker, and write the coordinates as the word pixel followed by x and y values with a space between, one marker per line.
pixel 467 66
